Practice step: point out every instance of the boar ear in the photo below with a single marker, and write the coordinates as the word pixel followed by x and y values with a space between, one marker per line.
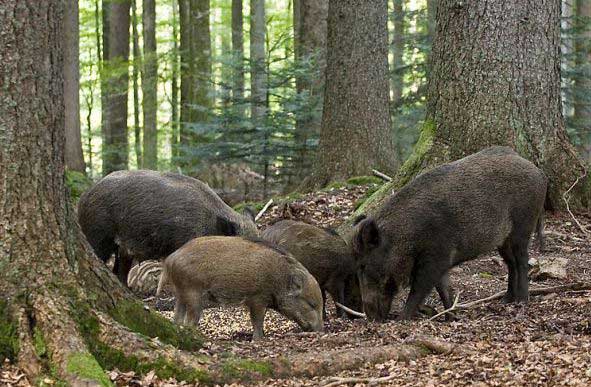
pixel 368 236
pixel 295 284
pixel 249 213
pixel 358 219
pixel 225 227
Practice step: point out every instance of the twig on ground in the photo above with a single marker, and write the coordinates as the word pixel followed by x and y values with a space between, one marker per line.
pixel 265 208
pixel 381 175
pixel 450 309
pixel 566 197
pixel 349 310
pixel 335 381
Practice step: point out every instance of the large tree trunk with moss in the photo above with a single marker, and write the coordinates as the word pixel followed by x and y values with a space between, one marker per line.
pixel 74 157
pixel 150 86
pixel 582 87
pixel 356 133
pixel 310 17
pixel 115 143
pixel 495 80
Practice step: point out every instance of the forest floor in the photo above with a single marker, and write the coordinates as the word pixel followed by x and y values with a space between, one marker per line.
pixel 547 342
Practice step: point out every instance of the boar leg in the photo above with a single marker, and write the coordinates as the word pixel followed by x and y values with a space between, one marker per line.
pixel 507 254
pixel 323 292
pixel 338 295
pixel 520 253
pixel 194 307
pixel 445 293
pixel 426 275
pixel 122 266
pixel 180 312
pixel 257 319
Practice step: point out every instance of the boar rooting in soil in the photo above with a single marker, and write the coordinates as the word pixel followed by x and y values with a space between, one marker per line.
pixel 493 199
pixel 219 270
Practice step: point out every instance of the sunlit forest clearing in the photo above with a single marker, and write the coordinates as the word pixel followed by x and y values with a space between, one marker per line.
pixel 295 192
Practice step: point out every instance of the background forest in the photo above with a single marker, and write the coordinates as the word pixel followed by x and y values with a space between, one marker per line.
pixel 232 92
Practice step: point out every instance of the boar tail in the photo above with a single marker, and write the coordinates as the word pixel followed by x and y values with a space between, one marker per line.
pixel 163 280
pixel 540 237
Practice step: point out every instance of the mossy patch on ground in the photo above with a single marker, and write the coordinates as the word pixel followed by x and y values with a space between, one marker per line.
pixel 148 323
pixel 245 369
pixel 85 366
pixel 8 334
pixel 256 206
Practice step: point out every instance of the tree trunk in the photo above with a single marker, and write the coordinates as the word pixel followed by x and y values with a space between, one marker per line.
pixel 310 50
pixel 174 105
pixel 137 64
pixel 238 53
pixel 582 87
pixel 74 156
pixel 150 85
pixel 226 71
pixel 115 147
pixel 202 55
pixel 187 71
pixel 103 57
pixel 356 134
pixel 432 17
pixel 258 63
pixel 495 80
pixel 397 52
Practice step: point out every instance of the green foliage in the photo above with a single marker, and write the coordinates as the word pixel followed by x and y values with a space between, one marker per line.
pixel 9 344
pixel 134 316
pixel 256 206
pixel 244 369
pixel 364 180
pixel 77 183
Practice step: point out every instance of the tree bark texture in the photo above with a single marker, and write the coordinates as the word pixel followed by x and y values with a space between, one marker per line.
pixel 495 80
pixel 582 87
pixel 238 51
pixel 174 108
pixel 397 78
pixel 310 17
pixel 150 86
pixel 115 146
pixel 74 156
pixel 356 133
pixel 136 69
pixel 258 61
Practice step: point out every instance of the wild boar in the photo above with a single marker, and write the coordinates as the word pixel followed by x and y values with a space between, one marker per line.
pixel 493 199
pixel 148 215
pixel 231 270
pixel 324 253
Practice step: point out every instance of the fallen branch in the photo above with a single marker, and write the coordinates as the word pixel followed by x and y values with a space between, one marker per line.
pixel 566 198
pixel 350 311
pixel 450 309
pixel 336 381
pixel 533 292
pixel 381 175
pixel 265 208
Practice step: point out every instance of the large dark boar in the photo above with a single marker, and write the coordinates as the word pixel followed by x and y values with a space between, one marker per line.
pixel 490 200
pixel 324 253
pixel 232 270
pixel 148 215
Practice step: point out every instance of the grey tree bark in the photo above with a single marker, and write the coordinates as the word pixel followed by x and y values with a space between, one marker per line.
pixel 73 154
pixel 356 133
pixel 238 51
pixel 150 86
pixel 582 87
pixel 258 63
pixel 136 69
pixel 495 80
pixel 310 17
pixel 115 143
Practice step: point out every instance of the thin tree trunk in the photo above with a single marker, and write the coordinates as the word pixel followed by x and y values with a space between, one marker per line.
pixel 103 56
pixel 495 80
pixel 238 55
pixel 397 78
pixel 174 108
pixel 201 39
pixel 150 85
pixel 432 17
pixel 582 87
pixel 187 71
pixel 137 64
pixel 258 76
pixel 226 38
pixel 74 156
pixel 310 18
pixel 356 134
pixel 116 148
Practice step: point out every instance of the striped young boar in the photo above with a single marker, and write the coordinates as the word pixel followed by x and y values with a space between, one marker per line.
pixel 326 256
pixel 493 199
pixel 220 270
pixel 141 215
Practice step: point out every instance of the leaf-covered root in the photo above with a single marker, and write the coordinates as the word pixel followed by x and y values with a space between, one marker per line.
pixel 49 343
